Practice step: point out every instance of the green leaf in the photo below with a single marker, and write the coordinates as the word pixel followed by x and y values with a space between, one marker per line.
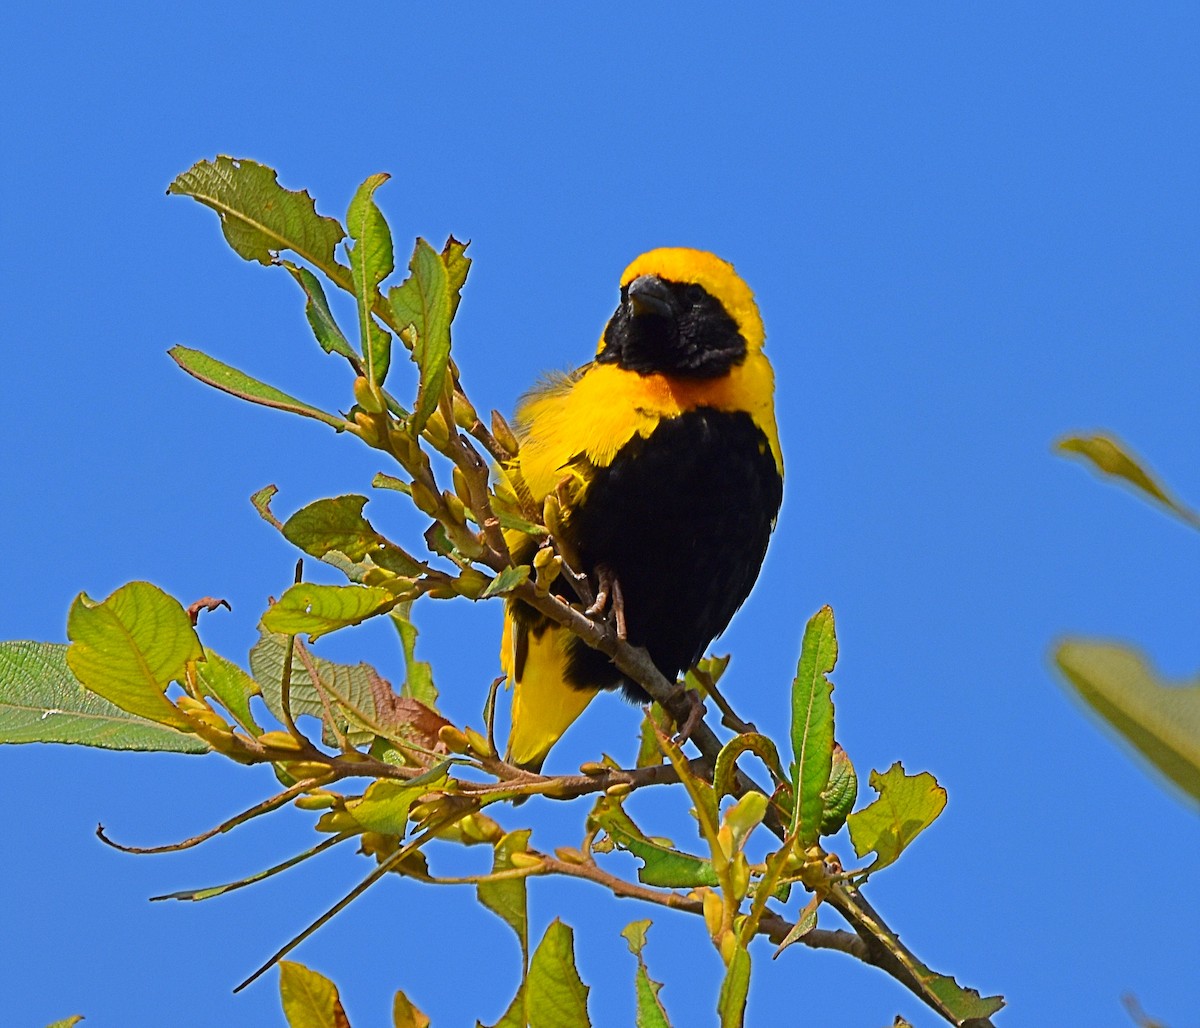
pixel 555 995
pixel 731 1003
pixel 405 1013
pixel 384 807
pixel 840 793
pixel 812 724
pixel 961 1003
pixel 230 686
pixel 418 674
pixel 907 805
pixel 321 609
pixel 805 923
pixel 42 701
pixel 310 1000
pixel 725 772
pixel 422 303
pixel 506 581
pixel 352 682
pixel 663 865
pixel 320 317
pixel 229 380
pixel 67 1022
pixel 649 754
pixel 371 262
pixel 1161 719
pixel 130 647
pixel 650 1011
pixel 333 524
pixel 457 265
pixel 506 898
pixel 1108 456
pixel 258 216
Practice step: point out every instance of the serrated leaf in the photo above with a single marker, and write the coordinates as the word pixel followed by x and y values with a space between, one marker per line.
pixel 650 1011
pixel 352 682
pixel 725 770
pixel 230 686
pixel 663 866
pixel 405 1013
pixel 1161 719
pixel 310 1000
pixel 555 996
pixel 371 261
pixel 258 216
pixel 457 265
pixel 906 806
pixel 506 898
pixel 334 523
pixel 812 724
pixel 42 701
pixel 422 301
pixel 237 383
pixel 320 609
pixel 130 647
pixel 1108 456
pixel 319 315
pixel 418 674
pixel 960 1002
pixel 735 988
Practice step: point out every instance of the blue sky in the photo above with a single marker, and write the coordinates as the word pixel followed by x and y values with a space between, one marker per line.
pixel 971 228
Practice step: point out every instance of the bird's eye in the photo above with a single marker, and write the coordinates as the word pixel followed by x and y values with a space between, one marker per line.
pixel 695 294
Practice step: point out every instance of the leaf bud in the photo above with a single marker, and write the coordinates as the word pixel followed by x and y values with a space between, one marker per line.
pixel 465 541
pixel 456 508
pixel 338 821
pixel 453 739
pixel 301 769
pixel 461 486
pixel 280 741
pixel 521 859
pixel 503 434
pixel 436 432
pixel 727 946
pixel 427 501
pixel 592 768
pixel 367 396
pixel 739 873
pixel 478 743
pixel 552 514
pixel 318 799
pixel 618 789
pixel 713 911
pixel 464 413
pixel 367 427
pixel 570 855
pixel 471 583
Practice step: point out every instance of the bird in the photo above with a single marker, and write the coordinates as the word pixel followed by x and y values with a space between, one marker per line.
pixel 664 455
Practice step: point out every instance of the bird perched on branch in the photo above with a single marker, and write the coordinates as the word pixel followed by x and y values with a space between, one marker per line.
pixel 664 455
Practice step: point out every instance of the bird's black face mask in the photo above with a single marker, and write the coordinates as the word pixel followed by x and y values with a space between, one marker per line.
pixel 671 328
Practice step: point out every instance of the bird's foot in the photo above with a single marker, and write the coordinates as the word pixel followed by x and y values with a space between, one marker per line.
pixel 694 715
pixel 609 599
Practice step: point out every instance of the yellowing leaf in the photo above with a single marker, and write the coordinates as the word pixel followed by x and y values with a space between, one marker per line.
pixel 321 609
pixel 129 648
pixel 555 995
pixel 310 1000
pixel 406 1015
pixel 907 805
pixel 42 701
pixel 1161 719
pixel 230 686
pixel 1108 456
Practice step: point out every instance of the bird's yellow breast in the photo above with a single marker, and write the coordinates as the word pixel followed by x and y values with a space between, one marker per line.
pixel 594 415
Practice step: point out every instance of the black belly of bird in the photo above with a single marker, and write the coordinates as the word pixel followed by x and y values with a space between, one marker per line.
pixel 682 519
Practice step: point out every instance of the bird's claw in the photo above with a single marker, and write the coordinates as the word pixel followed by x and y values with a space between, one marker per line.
pixel 609 597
